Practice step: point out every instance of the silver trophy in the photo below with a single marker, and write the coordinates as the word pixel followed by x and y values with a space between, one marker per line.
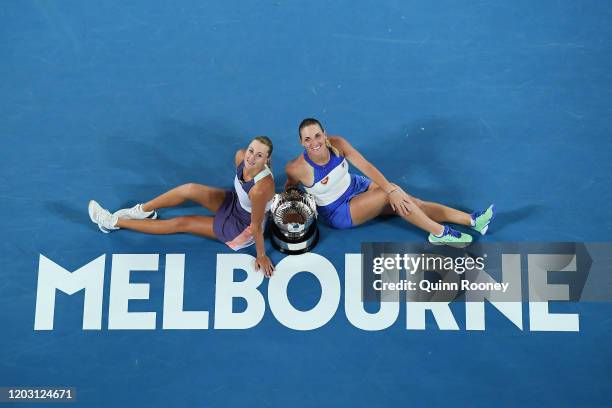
pixel 294 222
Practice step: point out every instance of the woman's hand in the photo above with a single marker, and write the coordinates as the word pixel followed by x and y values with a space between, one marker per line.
pixel 265 264
pixel 400 201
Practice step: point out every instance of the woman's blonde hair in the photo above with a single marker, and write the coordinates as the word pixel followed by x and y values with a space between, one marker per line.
pixel 266 141
pixel 313 121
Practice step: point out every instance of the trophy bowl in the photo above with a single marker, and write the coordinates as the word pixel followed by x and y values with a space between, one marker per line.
pixel 294 222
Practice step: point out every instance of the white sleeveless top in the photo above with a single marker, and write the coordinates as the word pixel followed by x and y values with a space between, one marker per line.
pixel 243 187
pixel 331 180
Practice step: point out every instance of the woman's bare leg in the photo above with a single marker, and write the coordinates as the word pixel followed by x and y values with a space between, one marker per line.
pixel 437 212
pixel 208 197
pixel 192 224
pixel 375 202
pixel 442 213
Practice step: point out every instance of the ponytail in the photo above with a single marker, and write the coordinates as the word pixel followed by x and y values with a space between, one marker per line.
pixel 331 147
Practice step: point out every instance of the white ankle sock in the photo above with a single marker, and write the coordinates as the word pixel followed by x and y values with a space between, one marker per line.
pixel 143 211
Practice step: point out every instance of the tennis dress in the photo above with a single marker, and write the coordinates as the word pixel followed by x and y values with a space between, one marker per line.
pixel 233 219
pixel 333 188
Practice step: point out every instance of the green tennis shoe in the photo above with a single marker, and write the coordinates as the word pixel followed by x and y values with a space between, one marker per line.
pixel 451 237
pixel 482 219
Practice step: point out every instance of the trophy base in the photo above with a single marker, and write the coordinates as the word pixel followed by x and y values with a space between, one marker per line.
pixel 289 247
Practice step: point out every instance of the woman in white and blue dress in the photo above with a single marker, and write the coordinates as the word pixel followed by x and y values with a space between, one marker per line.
pixel 345 200
pixel 240 214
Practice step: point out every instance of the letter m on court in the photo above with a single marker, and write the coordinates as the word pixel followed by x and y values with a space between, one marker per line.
pixel 52 277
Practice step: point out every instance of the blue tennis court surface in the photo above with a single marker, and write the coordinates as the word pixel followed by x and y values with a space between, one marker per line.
pixel 464 103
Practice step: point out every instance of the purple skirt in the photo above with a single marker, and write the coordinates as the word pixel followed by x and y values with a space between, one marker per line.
pixel 231 224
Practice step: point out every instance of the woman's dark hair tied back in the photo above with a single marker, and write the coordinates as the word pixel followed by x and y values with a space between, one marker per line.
pixel 308 122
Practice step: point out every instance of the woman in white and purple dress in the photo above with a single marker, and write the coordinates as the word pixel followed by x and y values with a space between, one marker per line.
pixel 240 214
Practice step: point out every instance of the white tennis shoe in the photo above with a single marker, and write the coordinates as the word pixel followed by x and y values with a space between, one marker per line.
pixel 105 220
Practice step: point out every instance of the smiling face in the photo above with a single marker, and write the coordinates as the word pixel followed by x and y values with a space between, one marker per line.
pixel 256 155
pixel 314 140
